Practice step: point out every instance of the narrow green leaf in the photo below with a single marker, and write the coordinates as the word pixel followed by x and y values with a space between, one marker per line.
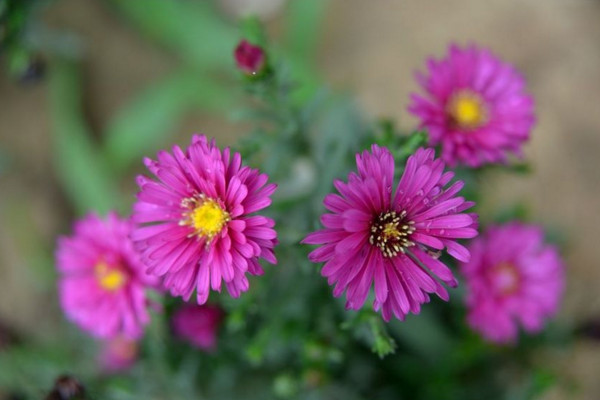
pixel 79 166
pixel 303 20
pixel 383 343
pixel 192 29
pixel 146 123
pixel 252 30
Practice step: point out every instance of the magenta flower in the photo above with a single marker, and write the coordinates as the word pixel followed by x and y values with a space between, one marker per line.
pixel 198 325
pixel 513 278
pixel 250 59
pixel 392 238
pixel 118 354
pixel 199 228
pixel 476 107
pixel 102 280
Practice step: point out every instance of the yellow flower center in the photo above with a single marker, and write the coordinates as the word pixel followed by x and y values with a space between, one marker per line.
pixel 109 278
pixel 205 216
pixel 390 230
pixel 467 110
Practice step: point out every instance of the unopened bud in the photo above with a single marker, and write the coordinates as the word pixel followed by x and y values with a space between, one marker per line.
pixel 250 59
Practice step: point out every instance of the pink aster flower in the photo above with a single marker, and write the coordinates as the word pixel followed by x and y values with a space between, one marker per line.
pixel 198 325
pixel 513 279
pixel 392 238
pixel 250 59
pixel 475 106
pixel 102 280
pixel 198 224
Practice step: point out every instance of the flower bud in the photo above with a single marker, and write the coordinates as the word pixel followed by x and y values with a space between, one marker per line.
pixel 250 59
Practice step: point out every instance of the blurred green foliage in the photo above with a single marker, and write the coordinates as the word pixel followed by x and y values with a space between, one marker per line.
pixel 80 167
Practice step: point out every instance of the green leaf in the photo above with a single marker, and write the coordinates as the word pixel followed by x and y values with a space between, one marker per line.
pixel 190 28
pixel 413 142
pixel 383 343
pixel 368 326
pixel 146 123
pixel 401 146
pixel 303 20
pixel 253 30
pixel 80 168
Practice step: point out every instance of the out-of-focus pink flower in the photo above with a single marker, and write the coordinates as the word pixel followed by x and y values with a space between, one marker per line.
pixel 250 59
pixel 198 222
pixel 102 281
pixel 198 325
pixel 375 234
pixel 513 279
pixel 118 354
pixel 475 106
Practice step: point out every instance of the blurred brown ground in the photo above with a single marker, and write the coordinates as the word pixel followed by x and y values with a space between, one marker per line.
pixel 373 49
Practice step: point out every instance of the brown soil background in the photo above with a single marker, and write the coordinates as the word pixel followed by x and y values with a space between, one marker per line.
pixel 371 48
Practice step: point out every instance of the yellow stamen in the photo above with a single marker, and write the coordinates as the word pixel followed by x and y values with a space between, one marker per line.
pixel 206 216
pixel 111 279
pixel 390 230
pixel 467 110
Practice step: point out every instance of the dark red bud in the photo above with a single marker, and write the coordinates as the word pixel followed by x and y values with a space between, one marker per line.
pixel 249 58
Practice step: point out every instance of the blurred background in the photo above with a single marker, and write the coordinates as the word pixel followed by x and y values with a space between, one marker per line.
pixel 122 69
